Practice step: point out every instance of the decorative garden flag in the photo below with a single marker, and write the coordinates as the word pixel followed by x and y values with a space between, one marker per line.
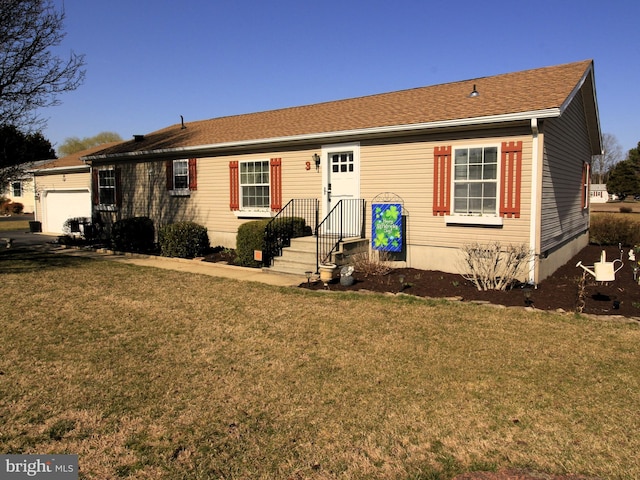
pixel 386 227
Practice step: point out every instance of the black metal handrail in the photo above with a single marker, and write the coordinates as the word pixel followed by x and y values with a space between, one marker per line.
pixel 298 218
pixel 345 220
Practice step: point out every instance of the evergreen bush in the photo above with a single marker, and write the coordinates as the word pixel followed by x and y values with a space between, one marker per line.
pixel 183 240
pixel 136 234
pixel 250 237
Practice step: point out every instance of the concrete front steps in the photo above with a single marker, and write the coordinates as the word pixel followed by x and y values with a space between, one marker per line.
pixel 300 256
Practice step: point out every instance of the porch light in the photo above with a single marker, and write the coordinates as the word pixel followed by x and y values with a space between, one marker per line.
pixel 316 160
pixel 474 93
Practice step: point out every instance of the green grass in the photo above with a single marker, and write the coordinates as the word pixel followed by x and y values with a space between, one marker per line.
pixel 149 373
pixel 14 225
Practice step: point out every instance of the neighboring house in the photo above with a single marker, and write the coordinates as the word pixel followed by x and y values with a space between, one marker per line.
pixel 63 190
pixel 598 193
pixel 21 191
pixel 503 158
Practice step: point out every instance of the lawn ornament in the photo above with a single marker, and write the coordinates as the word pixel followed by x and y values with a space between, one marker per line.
pixel 603 271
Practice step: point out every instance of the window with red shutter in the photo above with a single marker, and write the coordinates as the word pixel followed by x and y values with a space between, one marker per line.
pixel 181 176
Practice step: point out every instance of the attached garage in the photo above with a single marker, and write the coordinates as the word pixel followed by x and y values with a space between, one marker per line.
pixel 60 205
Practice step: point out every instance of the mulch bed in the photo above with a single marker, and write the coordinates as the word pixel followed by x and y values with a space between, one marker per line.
pixel 560 292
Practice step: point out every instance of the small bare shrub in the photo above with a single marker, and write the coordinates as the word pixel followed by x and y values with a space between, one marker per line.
pixel 492 266
pixel 371 263
pixel 626 209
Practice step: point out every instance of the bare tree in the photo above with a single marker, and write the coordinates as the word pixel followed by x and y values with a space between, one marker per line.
pixel 611 154
pixel 31 75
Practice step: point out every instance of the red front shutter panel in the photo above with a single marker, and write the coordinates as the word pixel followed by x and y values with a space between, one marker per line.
pixel 193 174
pixel 234 186
pixel 118 174
pixel 95 192
pixel 442 180
pixel 169 170
pixel 276 184
pixel 511 179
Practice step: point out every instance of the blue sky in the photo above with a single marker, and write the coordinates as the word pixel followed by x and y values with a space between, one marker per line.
pixel 148 62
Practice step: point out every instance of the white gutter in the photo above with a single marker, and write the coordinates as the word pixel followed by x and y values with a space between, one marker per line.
pixel 533 227
pixel 511 117
pixel 70 168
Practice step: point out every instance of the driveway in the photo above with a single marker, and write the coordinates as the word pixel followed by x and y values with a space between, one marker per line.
pixel 21 238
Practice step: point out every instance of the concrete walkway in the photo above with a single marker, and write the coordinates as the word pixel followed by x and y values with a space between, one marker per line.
pixel 191 266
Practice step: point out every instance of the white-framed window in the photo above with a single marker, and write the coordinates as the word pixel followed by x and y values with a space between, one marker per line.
pixel 475 181
pixel 254 185
pixel 107 187
pixel 16 189
pixel 181 174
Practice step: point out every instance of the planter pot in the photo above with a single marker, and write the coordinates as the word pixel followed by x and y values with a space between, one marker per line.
pixel 327 272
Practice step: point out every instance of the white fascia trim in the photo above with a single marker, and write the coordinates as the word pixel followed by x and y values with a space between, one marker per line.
pixel 511 117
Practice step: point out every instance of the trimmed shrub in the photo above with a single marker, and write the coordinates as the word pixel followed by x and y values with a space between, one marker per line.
pixel 183 240
pixel 626 210
pixel 612 229
pixel 134 234
pixel 16 208
pixel 250 237
pixel 295 225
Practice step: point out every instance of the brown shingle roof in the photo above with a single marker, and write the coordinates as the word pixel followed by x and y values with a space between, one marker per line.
pixel 525 91
pixel 75 159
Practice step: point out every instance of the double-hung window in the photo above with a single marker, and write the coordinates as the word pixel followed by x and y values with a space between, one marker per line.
pixel 475 183
pixel 16 189
pixel 107 187
pixel 180 174
pixel 181 177
pixel 254 185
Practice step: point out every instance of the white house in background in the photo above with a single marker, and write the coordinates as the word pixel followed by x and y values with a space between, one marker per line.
pixel 598 193
pixel 62 190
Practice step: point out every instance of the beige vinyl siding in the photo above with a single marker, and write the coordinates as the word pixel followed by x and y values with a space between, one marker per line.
pixel 566 148
pixel 407 171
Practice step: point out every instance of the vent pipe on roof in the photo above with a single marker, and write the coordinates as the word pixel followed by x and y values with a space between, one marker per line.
pixel 182 123
pixel 474 93
pixel 138 138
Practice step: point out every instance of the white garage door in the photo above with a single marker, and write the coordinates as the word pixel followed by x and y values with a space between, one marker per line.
pixel 61 205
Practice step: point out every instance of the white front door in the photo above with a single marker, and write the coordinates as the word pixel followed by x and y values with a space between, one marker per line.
pixel 342 179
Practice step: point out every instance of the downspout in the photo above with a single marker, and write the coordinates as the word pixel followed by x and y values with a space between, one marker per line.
pixel 533 228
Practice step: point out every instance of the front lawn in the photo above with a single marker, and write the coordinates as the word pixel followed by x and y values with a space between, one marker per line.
pixel 148 373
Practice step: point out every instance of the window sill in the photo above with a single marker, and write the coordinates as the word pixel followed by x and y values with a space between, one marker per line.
pixel 252 213
pixel 473 220
pixel 183 192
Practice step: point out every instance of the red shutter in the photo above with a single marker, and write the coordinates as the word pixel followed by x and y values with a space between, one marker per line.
pixel 95 192
pixel 442 180
pixel 234 186
pixel 511 179
pixel 276 184
pixel 169 169
pixel 193 174
pixel 118 174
